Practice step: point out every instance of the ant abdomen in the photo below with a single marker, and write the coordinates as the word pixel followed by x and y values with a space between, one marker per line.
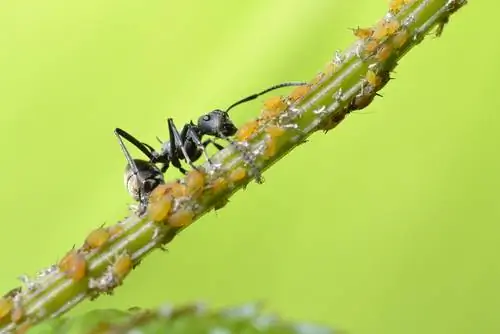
pixel 142 182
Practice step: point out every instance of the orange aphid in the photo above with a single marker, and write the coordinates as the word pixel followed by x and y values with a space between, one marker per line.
pixel 330 68
pixel 392 26
pixel 74 265
pixel 371 47
pixel 362 33
pixel 97 238
pixel 275 131
pixel 122 266
pixel 383 53
pixel 238 174
pixel 17 314
pixel 395 6
pixel 380 30
pixel 271 143
pixel 247 130
pixel 219 184
pixel 116 229
pixel 195 181
pixel 6 306
pixel 400 38
pixel 299 92
pixel 159 207
pixel 273 107
pixel 317 79
pixel 181 218
pixel 22 329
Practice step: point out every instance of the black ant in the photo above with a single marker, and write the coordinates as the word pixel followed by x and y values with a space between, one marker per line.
pixel 142 177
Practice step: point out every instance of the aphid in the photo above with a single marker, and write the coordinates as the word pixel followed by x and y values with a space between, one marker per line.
pixel 317 79
pixel 380 31
pixel 141 176
pixel 330 68
pixel 237 175
pixel 6 306
pixel 332 122
pixel 218 185
pixel 160 203
pixel 362 33
pixel 400 38
pixel 181 218
pixel 298 93
pixel 247 130
pixel 74 265
pixel 97 238
pixel 272 108
pixel 273 132
pixel 392 26
pixel 363 99
pixel 395 6
pixel 383 53
pixel 23 328
pixel 377 81
pixel 370 47
pixel 115 230
pixel 122 267
pixel 18 311
pixel 195 181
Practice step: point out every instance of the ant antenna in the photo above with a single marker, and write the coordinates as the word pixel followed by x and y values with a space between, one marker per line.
pixel 254 96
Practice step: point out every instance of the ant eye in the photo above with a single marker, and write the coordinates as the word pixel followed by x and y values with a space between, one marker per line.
pixel 206 118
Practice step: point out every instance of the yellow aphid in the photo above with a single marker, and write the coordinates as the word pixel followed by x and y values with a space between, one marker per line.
pixel 6 306
pixel 195 182
pixel 400 38
pixel 122 266
pixel 395 6
pixel 247 130
pixel 160 203
pixel 181 218
pixel 74 265
pixel 272 108
pixel 238 174
pixel 392 26
pixel 299 92
pixel 97 238
pixel 219 184
pixel 317 79
pixel 362 33
pixel 371 47
pixel 383 53
pixel 17 314
pixel 115 230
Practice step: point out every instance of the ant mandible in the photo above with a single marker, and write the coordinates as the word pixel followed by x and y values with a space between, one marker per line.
pixel 142 177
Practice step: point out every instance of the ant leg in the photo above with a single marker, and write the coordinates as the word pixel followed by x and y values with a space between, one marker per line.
pixel 191 134
pixel 254 96
pixel 177 144
pixel 144 148
pixel 133 167
pixel 211 141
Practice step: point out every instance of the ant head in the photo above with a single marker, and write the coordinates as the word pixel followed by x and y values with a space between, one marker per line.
pixel 143 182
pixel 217 123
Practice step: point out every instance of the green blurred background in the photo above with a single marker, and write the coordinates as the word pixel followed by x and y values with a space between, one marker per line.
pixel 389 224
